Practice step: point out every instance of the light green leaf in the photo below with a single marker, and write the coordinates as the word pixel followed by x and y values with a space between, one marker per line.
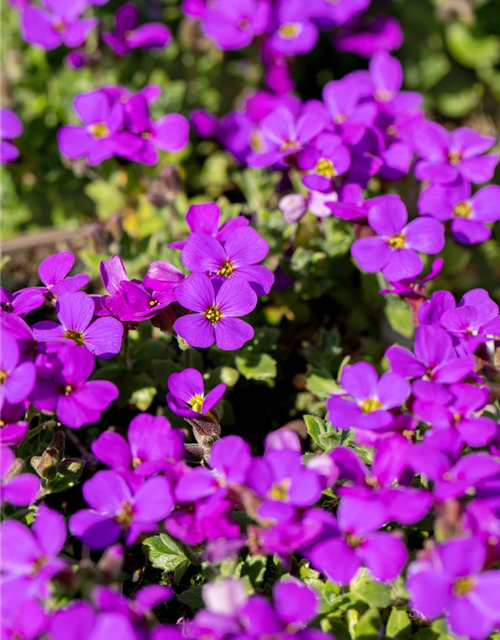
pixel 369 625
pixel 257 366
pixel 376 594
pixel 164 553
pixel 398 625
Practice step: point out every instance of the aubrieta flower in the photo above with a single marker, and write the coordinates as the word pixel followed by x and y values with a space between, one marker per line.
pixel 100 137
pixel 233 25
pixel 16 487
pixel 469 214
pixel 17 378
pixel 205 218
pixel 21 302
pixel 117 504
pixel 394 249
pixel 282 135
pixel 103 337
pixel 128 35
pixel 372 401
pixel 80 617
pixel 53 272
pixel 12 426
pixel 324 160
pixel 452 583
pixel 238 257
pixel 339 12
pixel 434 358
pixel 76 400
pixel 10 127
pixel 151 446
pixel 217 309
pixel 447 156
pixel 294 31
pixel 358 542
pixel 30 556
pixel 27 622
pixel 187 397
pixel 59 22
pixel 383 34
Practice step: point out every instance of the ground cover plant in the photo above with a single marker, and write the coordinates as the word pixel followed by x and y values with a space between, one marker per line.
pixel 252 389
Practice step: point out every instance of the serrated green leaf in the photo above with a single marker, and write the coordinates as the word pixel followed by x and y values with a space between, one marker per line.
pixel 398 625
pixel 315 428
pixel 163 552
pixel 376 594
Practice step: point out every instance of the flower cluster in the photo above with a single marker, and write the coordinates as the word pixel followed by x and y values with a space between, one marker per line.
pixel 118 123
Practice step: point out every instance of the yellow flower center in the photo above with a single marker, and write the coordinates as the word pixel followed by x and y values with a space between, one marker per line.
pixel 226 269
pixel 325 168
pixel 153 303
pixel 256 142
pixel 59 26
pixel 196 403
pixel 146 135
pixel 213 314
pixel 126 515
pixel 392 130
pixel 290 144
pixel 3 376
pixel 454 157
pixel 74 335
pixel 384 95
pixel 398 241
pixel 37 565
pixel 290 30
pixel 279 491
pixel 463 209
pixel 136 462
pixel 99 130
pixel 463 586
pixel 354 541
pixel 372 482
pixel 67 390
pixel 370 405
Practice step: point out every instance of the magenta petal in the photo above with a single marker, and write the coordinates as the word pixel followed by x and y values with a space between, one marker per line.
pixel 430 592
pixel 486 204
pixel 335 559
pixel 75 311
pixel 470 232
pixel 77 33
pixel 21 490
pixel 37 28
pixel 50 530
pixel 103 337
pixel 384 555
pixel 74 141
pixel 466 618
pixel 56 267
pixel 151 35
pixel 203 253
pixel 8 152
pixel 479 170
pixel 198 484
pixel 20 383
pixel 113 450
pixel 403 264
pixel 236 298
pixel 371 254
pixel 360 380
pixel 343 414
pixel 212 398
pixel 186 384
pixel 92 107
pixel 405 363
pixel 425 235
pixel 106 491
pixel 203 218
pixel 196 330
pixel 245 247
pixel 153 501
pixel 171 133
pixel 232 333
pixel 95 530
pixel 388 216
pixel 393 390
pixel 195 292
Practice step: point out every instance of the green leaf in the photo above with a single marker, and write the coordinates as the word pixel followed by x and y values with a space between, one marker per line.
pixel 321 383
pixel 68 475
pixel 255 568
pixel 471 51
pixel 398 625
pixel 336 627
pixel 399 316
pixel 257 366
pixel 192 597
pixel 164 553
pixel 376 594
pixel 315 428
pixel 369 625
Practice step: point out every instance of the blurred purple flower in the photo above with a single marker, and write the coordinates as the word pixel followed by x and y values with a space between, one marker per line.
pixel 128 36
pixel 10 127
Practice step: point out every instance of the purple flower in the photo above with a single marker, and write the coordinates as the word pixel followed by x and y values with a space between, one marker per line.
pixel 162 276
pixel 205 218
pixel 186 395
pixel 239 256
pixel 27 622
pixel 10 127
pixel 21 302
pixel 12 426
pixel 283 135
pixel 413 288
pixel 136 303
pixel 324 160
pixel 451 583
pixel 69 393
pixel 30 557
pixel 338 12
pixel 79 621
pixel 467 213
pixel 217 310
pixel 447 156
pixel 17 379
pixel 15 487
pixel 151 446
pixel 372 398
pixel 128 36
pixel 75 311
pixel 53 271
pixel 58 23
pixel 100 137
pixel 294 32
pixel 394 250
pixel 233 25
pixel 383 34
pixel 434 357
pixel 116 505
pixel 359 543
pixel 170 133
